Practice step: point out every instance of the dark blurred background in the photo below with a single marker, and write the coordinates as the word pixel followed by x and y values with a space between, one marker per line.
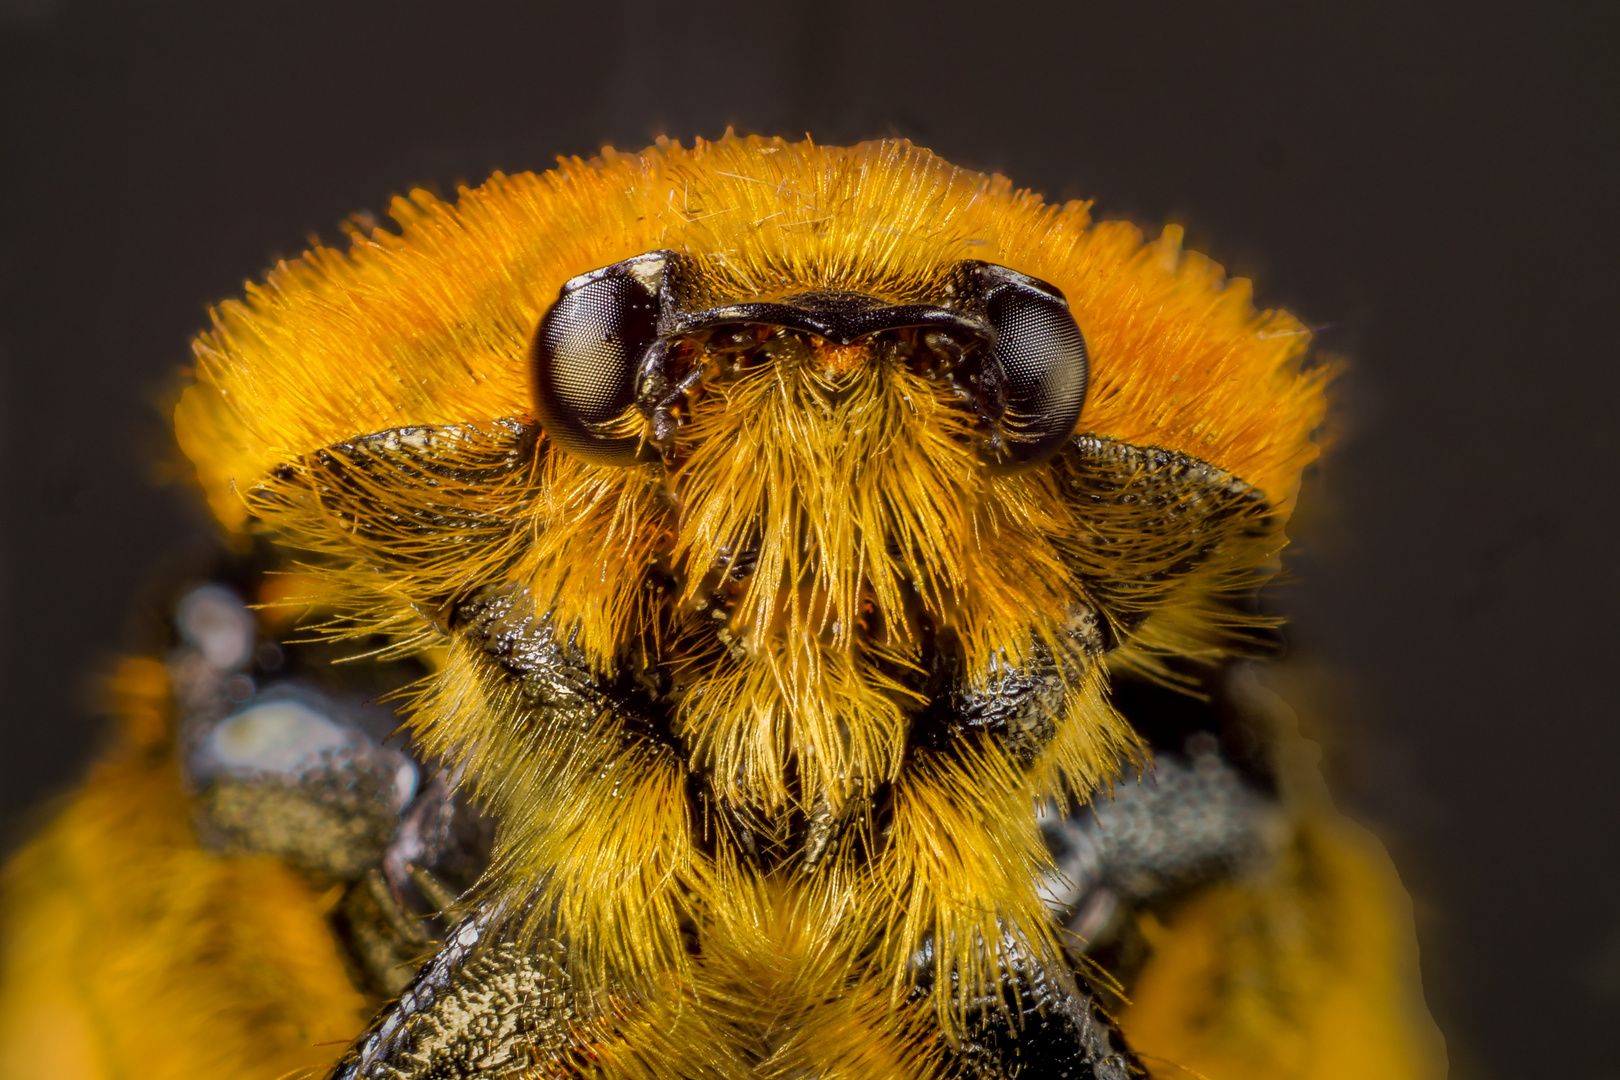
pixel 1431 185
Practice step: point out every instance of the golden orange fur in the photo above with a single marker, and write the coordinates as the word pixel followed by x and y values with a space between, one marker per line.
pixel 871 516
pixel 430 325
pixel 851 476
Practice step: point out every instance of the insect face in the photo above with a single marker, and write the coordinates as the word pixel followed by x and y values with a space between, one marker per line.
pixel 774 570
pixel 821 472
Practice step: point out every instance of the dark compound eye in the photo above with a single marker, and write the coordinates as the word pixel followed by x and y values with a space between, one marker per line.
pixel 586 353
pixel 1043 360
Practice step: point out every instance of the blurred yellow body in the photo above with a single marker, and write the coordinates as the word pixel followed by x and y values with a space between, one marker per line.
pixel 129 952
pixel 1310 975
pixel 1306 972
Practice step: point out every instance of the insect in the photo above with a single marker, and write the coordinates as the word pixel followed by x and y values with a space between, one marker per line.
pixel 789 541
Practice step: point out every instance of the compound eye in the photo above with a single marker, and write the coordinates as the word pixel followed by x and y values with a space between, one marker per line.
pixel 1043 358
pixel 586 353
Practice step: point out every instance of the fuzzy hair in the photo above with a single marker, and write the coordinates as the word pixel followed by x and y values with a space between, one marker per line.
pixel 853 479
